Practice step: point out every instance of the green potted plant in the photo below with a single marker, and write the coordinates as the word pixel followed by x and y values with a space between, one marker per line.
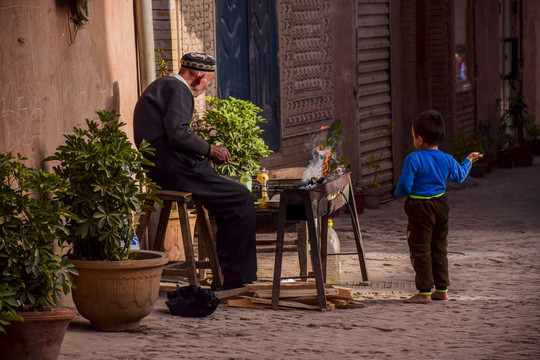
pixel 34 272
pixel 106 174
pixel 533 131
pixel 464 144
pixel 163 66
pixel 372 190
pixel 513 119
pixel 373 187
pixel 233 123
pixel 485 135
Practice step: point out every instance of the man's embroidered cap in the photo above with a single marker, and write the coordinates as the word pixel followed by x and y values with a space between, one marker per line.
pixel 198 61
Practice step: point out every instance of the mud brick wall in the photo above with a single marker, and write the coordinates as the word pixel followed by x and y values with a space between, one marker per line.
pixel 465 113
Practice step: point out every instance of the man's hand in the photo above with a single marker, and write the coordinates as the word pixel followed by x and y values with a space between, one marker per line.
pixel 219 154
pixel 475 156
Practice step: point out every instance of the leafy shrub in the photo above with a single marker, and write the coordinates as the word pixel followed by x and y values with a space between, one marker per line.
pixel 233 123
pixel 31 219
pixel 105 174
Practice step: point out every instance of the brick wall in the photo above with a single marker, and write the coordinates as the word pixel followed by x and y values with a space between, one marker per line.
pixel 465 117
pixel 166 31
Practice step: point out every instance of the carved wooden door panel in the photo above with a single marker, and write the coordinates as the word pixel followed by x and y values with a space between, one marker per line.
pixel 247 58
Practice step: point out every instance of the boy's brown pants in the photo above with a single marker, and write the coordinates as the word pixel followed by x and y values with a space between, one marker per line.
pixel 427 232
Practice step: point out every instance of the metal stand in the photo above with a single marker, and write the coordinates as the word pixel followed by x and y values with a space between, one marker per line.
pixel 308 205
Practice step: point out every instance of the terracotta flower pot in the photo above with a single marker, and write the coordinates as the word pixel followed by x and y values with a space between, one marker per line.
pixel 117 295
pixel 373 200
pixel 505 159
pixel 478 169
pixel 40 336
pixel 523 156
pixel 359 200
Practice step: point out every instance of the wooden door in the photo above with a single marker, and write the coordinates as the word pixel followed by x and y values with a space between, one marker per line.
pixel 247 59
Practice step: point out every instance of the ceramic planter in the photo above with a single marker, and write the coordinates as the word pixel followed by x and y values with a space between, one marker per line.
pixel 535 147
pixel 523 156
pixel 40 336
pixel 505 159
pixel 479 169
pixel 373 199
pixel 117 295
pixel 359 200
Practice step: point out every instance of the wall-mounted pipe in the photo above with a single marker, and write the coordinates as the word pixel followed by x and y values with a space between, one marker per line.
pixel 145 42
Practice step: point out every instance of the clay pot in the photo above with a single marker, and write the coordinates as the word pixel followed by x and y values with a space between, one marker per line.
pixel 40 336
pixel 117 295
pixel 359 200
pixel 373 200
pixel 523 156
pixel 479 169
pixel 505 159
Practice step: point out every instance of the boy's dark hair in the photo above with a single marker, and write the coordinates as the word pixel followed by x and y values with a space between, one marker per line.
pixel 430 126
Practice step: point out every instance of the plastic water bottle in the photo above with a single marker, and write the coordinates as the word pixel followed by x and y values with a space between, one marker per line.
pixel 135 243
pixel 245 179
pixel 333 264
pixel 262 178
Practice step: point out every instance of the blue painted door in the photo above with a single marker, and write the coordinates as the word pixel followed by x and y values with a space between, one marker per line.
pixel 247 59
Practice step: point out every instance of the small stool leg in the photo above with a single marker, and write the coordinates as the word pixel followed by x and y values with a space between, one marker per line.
pixel 358 236
pixel 324 245
pixel 143 225
pixel 315 254
pixel 279 254
pixel 162 225
pixel 191 266
pixel 206 235
pixel 301 245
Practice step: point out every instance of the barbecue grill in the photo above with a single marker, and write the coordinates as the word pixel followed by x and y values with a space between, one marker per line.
pixel 307 201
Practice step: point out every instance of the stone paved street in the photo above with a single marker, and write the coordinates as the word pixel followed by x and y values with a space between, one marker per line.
pixel 493 312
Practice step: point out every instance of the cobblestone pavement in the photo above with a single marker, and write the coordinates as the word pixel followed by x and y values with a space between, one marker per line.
pixel 493 312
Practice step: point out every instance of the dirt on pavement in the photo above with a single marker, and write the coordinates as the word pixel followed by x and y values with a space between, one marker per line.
pixel 493 311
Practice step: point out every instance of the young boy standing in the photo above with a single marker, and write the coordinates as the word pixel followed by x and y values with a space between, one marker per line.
pixel 423 180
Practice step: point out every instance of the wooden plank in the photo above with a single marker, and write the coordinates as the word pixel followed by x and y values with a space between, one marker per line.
pixel 343 293
pixel 338 302
pixel 284 303
pixel 352 305
pixel 247 304
pixel 295 285
pixel 288 293
pixel 226 294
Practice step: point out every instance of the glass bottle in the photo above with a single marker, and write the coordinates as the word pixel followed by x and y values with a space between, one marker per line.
pixel 246 180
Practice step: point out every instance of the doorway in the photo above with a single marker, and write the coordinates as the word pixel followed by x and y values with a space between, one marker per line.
pixel 248 64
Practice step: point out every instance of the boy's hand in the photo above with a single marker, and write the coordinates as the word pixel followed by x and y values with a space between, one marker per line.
pixel 474 156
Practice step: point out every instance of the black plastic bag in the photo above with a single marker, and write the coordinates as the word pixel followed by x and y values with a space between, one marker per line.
pixel 191 301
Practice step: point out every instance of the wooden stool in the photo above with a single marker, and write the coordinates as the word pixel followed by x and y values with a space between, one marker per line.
pixel 205 235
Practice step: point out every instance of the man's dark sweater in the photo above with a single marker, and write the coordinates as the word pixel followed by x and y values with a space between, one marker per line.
pixel 162 116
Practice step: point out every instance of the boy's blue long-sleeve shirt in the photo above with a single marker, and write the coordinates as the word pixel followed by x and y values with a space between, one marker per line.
pixel 425 173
